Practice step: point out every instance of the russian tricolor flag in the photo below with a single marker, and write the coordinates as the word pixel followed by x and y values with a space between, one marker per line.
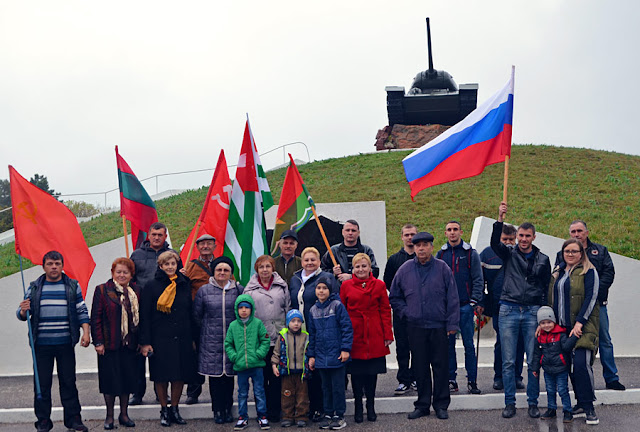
pixel 480 139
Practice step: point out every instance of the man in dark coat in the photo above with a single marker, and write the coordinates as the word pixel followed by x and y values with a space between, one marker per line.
pixel 288 263
pixel 345 251
pixel 601 260
pixel 57 311
pixel 405 377
pixel 424 294
pixel 527 272
pixel 146 260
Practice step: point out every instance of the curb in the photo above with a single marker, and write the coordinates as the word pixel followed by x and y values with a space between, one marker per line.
pixel 384 405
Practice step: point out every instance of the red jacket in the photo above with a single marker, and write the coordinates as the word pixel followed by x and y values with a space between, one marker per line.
pixel 367 303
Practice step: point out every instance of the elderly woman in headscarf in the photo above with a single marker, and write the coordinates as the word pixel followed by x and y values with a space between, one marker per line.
pixel 114 329
pixel 213 310
pixel 166 336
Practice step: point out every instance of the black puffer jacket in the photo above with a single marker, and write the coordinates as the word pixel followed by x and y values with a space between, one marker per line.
pixel 213 311
pixel 341 256
pixel 525 283
pixel 552 351
pixel 146 260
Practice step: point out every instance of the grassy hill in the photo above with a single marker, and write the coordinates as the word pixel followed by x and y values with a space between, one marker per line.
pixel 549 186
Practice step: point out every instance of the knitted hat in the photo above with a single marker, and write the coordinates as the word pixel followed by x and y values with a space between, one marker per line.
pixel 325 280
pixel 244 304
pixel 222 259
pixel 546 313
pixel 294 313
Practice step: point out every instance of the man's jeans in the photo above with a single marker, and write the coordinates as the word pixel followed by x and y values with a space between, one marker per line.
pixel 560 382
pixel 609 369
pixel 516 321
pixel 258 391
pixel 470 360
pixel 497 354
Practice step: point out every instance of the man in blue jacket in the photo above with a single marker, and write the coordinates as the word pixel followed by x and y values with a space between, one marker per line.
pixel 467 271
pixel 424 294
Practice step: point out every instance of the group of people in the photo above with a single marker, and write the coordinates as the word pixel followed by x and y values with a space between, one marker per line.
pixel 302 325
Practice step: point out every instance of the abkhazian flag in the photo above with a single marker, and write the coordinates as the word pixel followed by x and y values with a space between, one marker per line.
pixel 246 235
pixel 295 207
pixel 135 203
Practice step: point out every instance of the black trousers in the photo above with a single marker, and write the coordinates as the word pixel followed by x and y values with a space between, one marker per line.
pixel 272 389
pixel 65 359
pixel 221 391
pixel 316 403
pixel 403 352
pixel 194 389
pixel 430 352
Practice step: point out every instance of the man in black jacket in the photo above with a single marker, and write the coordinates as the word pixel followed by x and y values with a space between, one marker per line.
pixel 345 251
pixel 405 377
pixel 527 272
pixel 601 260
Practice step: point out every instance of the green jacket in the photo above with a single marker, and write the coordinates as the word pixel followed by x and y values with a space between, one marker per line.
pixel 246 344
pixel 579 302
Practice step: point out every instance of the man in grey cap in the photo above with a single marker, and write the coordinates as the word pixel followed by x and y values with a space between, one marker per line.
pixel 425 295
pixel 198 271
pixel 287 263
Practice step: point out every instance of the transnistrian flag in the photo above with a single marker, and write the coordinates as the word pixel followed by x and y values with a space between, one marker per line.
pixel 214 214
pixel 480 139
pixel 43 224
pixel 295 207
pixel 135 203
pixel 246 235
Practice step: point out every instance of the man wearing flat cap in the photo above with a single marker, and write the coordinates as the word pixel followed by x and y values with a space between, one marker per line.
pixel 287 263
pixel 198 271
pixel 424 294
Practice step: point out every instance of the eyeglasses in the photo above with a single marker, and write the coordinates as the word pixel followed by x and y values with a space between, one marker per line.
pixel 571 252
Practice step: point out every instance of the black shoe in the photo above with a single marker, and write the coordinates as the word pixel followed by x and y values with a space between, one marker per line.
pixel 567 417
pixel 453 386
pixel 401 389
pixel 76 425
pixel 226 416
pixel 109 425
pixel 286 423
pixel 472 386
pixel 263 422
pixel 218 417
pixel 191 400
pixel 417 413
pixel 442 414
pixel 325 422
pixel 534 412
pixel 548 414
pixel 126 423
pixel 242 423
pixel 174 416
pixel 338 423
pixel 358 414
pixel 616 385
pixel 520 384
pixel 44 425
pixel 414 386
pixel 509 411
pixel 164 417
pixel 592 418
pixel 135 400
pixel 578 411
pixel 317 417
pixel 371 415
pixel 498 385
pixel 301 423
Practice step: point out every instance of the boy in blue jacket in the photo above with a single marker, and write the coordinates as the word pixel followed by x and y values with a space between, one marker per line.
pixel 330 339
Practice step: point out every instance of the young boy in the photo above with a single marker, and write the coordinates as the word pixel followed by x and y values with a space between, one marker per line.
pixel 289 361
pixel 330 339
pixel 247 344
pixel 552 351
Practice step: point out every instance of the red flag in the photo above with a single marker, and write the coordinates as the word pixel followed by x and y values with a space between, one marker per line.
pixel 42 224
pixel 135 203
pixel 215 211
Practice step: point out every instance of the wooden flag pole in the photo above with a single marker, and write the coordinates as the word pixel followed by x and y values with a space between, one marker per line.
pixel 193 241
pixel 126 241
pixel 506 178
pixel 324 236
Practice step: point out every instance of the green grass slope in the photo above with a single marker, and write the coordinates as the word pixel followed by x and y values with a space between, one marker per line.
pixel 549 186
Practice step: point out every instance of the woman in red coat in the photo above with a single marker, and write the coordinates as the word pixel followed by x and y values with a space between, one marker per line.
pixel 367 303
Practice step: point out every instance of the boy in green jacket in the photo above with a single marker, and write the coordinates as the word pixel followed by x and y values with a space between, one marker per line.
pixel 247 344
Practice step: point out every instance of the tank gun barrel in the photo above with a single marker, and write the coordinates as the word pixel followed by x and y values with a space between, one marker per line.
pixel 429 45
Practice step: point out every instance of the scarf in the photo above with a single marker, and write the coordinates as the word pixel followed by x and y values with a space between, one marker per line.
pixel 135 310
pixel 168 296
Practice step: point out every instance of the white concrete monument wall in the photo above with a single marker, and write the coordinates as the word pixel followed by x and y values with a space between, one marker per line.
pixel 624 298
pixel 15 355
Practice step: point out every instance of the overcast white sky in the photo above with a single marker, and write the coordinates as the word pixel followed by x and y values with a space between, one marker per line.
pixel 170 82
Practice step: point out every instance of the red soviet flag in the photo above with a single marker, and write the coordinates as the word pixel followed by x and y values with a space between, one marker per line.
pixel 42 224
pixel 214 214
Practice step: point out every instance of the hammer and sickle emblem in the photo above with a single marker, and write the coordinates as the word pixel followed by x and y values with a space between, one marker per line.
pixel 225 205
pixel 27 210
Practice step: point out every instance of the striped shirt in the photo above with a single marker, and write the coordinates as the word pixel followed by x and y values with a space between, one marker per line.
pixel 53 326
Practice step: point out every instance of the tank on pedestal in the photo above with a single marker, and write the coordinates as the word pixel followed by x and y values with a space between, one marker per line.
pixel 434 98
